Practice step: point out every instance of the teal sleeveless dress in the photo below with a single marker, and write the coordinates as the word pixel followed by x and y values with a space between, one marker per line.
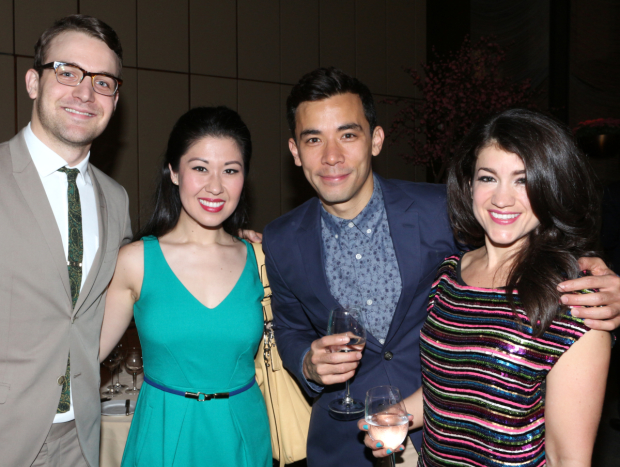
pixel 189 347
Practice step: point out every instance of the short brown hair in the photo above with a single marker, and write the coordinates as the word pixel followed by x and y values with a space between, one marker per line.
pixel 80 23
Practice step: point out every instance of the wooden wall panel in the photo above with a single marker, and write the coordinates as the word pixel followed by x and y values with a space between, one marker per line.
pixel 259 107
pixel 209 91
pixel 32 17
pixel 163 37
pixel 157 113
pixel 259 40
pixel 370 48
pixel 213 37
pixel 6 26
pixel 299 38
pixel 116 150
pixel 7 98
pixel 121 16
pixel 337 34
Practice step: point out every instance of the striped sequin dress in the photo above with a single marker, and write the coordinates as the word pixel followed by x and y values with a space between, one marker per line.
pixel 482 373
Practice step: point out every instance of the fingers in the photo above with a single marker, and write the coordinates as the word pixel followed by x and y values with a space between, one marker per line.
pixel 600 318
pixel 595 265
pixel 337 378
pixel 607 325
pixel 323 364
pixel 251 235
pixel 609 282
pixel 330 341
pixel 378 448
pixel 587 299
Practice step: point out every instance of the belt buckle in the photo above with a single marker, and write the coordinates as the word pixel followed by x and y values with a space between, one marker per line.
pixel 202 397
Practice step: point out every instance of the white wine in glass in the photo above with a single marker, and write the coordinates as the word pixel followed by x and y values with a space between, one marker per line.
pixel 386 416
pixel 350 321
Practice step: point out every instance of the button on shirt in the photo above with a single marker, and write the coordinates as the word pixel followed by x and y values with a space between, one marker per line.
pixel 55 183
pixel 360 263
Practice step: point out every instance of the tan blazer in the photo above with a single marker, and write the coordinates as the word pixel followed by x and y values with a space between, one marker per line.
pixel 38 327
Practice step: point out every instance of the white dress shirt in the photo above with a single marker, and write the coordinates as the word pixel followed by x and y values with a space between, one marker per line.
pixel 47 163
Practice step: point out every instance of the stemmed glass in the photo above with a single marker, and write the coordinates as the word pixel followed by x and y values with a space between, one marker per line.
pixel 352 322
pixel 386 416
pixel 133 363
pixel 112 362
pixel 121 354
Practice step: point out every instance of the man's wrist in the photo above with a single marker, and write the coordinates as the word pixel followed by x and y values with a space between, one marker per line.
pixel 313 385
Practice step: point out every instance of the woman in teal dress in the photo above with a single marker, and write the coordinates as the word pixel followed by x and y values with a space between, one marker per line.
pixel 195 293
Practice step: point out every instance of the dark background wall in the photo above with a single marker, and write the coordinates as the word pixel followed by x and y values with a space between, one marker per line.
pixel 246 54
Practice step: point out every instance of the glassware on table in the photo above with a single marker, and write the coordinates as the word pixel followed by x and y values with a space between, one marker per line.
pixel 387 418
pixel 133 363
pixel 112 362
pixel 352 322
pixel 122 354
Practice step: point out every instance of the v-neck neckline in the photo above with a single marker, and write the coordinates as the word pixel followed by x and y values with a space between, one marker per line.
pixel 247 254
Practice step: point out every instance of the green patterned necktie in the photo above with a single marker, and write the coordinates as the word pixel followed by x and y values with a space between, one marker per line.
pixel 74 264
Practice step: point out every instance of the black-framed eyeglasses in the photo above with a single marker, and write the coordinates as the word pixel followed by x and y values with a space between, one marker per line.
pixel 72 75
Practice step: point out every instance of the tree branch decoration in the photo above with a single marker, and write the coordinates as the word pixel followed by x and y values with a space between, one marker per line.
pixel 457 90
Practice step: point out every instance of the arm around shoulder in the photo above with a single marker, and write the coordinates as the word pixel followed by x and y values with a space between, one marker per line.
pixel 123 292
pixel 574 400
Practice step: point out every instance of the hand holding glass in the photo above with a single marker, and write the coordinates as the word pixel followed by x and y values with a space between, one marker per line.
pixel 351 322
pixel 386 417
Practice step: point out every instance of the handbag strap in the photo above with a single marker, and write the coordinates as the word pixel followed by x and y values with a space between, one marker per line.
pixel 262 272
pixel 267 342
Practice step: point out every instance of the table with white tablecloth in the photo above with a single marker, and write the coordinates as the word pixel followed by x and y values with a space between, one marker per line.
pixel 114 429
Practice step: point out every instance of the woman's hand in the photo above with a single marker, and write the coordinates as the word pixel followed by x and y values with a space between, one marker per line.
pixel 376 445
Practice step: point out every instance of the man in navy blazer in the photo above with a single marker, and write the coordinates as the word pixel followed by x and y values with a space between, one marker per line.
pixel 335 154
pixel 335 135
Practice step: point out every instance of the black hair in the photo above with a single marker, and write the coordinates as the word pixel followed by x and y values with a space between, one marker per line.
pixel 561 191
pixel 324 83
pixel 80 23
pixel 195 124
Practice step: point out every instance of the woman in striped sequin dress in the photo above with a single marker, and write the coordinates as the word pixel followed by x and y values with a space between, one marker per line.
pixel 520 189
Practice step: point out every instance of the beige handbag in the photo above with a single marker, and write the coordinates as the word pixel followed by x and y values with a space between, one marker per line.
pixel 287 408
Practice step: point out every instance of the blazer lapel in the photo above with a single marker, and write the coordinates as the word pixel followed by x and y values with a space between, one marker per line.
pixel 102 217
pixel 29 182
pixel 405 233
pixel 309 241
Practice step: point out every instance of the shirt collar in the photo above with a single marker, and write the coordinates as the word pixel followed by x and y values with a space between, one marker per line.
pixel 46 161
pixel 366 221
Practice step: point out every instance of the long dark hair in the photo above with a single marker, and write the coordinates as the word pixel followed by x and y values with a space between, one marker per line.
pixel 195 124
pixel 560 187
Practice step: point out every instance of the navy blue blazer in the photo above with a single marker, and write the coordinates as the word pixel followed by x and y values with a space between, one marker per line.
pixel 301 301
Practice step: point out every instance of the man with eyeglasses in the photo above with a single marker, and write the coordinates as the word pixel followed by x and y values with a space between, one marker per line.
pixel 62 222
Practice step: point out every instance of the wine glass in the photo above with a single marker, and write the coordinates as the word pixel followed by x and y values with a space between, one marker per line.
pixel 350 321
pixel 387 418
pixel 133 363
pixel 111 362
pixel 121 354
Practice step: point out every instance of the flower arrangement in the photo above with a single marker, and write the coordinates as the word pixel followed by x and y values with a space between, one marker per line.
pixel 599 126
pixel 457 90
